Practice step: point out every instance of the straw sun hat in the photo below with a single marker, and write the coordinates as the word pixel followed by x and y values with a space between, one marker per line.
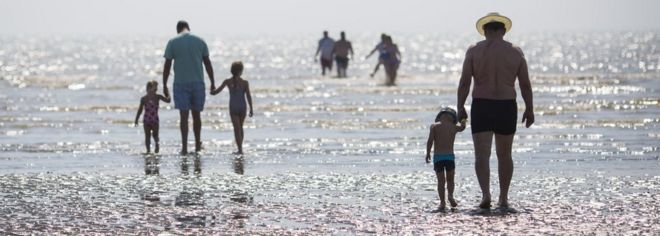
pixel 493 17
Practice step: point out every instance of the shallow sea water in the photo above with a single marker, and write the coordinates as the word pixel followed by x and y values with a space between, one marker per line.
pixel 324 155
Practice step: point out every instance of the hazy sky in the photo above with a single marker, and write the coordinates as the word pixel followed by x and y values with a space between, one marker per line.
pixel 238 17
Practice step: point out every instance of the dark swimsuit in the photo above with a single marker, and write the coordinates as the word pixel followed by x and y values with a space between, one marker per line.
pixel 498 116
pixel 237 104
pixel 150 113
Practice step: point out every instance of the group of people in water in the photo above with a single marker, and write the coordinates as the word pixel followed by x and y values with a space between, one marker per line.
pixel 493 64
pixel 329 49
pixel 190 53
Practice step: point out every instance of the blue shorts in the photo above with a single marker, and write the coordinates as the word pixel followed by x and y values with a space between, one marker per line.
pixel 442 162
pixel 189 96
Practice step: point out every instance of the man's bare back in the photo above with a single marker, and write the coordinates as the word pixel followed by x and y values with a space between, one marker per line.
pixel 342 48
pixel 495 66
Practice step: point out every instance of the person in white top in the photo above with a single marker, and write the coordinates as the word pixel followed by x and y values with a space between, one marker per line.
pixel 326 44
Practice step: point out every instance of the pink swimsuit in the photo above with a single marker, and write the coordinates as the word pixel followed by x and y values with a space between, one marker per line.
pixel 151 113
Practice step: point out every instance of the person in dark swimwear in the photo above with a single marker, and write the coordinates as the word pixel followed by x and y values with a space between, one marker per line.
pixel 341 50
pixel 442 135
pixel 149 103
pixel 495 64
pixel 382 53
pixel 392 60
pixel 239 90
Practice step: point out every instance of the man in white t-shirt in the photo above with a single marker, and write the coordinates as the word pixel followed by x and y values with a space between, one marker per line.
pixel 326 44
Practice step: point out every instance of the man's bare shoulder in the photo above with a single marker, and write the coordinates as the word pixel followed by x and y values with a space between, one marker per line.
pixel 512 47
pixel 518 49
pixel 475 47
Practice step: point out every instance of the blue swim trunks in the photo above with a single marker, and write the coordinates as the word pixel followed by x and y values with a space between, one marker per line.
pixel 189 96
pixel 442 162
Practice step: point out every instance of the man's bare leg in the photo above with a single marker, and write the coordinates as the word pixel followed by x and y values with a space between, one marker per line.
pixel 450 188
pixel 441 189
pixel 483 142
pixel 197 129
pixel 183 125
pixel 503 146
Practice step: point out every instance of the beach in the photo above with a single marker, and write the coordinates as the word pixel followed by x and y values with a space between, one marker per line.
pixel 324 155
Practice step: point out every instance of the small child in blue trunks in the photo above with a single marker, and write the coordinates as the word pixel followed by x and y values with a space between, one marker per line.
pixel 443 133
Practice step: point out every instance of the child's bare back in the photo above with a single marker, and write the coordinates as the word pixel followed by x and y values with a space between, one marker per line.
pixel 443 134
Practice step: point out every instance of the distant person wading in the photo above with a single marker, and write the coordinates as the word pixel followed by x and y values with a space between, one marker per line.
pixel 325 48
pixel 341 50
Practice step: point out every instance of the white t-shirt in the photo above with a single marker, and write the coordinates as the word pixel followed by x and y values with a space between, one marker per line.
pixel 326 45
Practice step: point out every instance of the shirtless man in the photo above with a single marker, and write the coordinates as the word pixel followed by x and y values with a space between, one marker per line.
pixel 494 64
pixel 341 50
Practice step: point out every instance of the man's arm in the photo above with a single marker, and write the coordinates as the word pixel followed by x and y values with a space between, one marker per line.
pixel 166 75
pixel 209 71
pixel 429 144
pixel 350 49
pixel 526 92
pixel 318 50
pixel 461 127
pixel 464 85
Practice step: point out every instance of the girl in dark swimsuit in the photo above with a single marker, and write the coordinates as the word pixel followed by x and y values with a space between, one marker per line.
pixel 239 90
pixel 392 61
pixel 149 103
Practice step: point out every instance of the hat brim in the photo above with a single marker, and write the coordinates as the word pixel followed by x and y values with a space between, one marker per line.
pixel 493 18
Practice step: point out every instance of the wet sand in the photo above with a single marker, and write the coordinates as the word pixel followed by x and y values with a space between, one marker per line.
pixel 324 155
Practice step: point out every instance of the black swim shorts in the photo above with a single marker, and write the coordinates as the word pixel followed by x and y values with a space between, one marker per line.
pixel 441 166
pixel 341 61
pixel 498 116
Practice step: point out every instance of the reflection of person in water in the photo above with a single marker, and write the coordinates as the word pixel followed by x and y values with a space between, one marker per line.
pixel 239 196
pixel 151 165
pixel 238 165
pixel 197 165
pixel 190 196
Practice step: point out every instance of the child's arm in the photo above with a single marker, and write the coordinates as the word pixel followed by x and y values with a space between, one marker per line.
pixel 249 96
pixel 429 144
pixel 137 117
pixel 372 52
pixel 164 98
pixel 218 90
pixel 461 127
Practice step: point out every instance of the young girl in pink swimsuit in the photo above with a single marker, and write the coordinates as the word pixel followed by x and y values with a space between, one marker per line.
pixel 149 103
